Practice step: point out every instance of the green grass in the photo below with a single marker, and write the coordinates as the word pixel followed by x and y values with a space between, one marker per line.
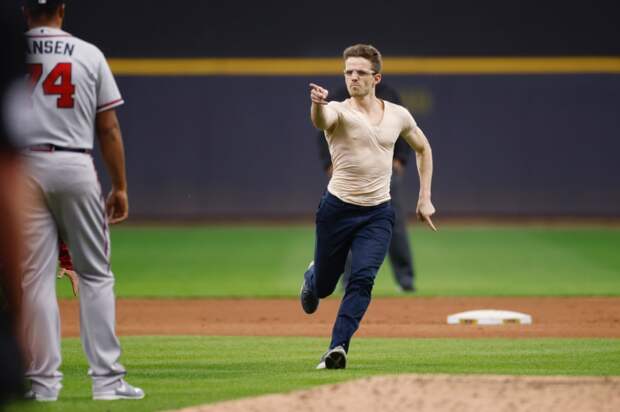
pixel 183 371
pixel 223 261
pixel 262 261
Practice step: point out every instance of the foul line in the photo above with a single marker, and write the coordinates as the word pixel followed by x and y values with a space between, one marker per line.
pixel 392 65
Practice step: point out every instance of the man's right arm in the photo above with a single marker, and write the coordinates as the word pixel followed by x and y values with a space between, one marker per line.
pixel 322 116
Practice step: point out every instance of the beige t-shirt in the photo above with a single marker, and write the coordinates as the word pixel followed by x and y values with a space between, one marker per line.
pixel 362 153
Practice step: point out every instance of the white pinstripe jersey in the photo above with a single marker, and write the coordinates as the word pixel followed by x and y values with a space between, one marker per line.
pixel 71 82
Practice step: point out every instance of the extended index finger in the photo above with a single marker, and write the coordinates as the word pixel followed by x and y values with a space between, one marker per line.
pixel 430 223
pixel 316 86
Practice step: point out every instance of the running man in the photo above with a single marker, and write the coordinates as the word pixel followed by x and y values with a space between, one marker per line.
pixel 355 212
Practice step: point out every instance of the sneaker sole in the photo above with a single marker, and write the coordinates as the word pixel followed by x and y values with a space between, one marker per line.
pixel 116 397
pixel 336 360
pixel 39 398
pixel 307 310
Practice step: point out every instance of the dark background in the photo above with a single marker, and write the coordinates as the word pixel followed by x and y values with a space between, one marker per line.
pixel 181 28
pixel 236 147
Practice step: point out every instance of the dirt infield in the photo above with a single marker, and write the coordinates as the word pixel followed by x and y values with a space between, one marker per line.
pixel 387 317
pixel 428 393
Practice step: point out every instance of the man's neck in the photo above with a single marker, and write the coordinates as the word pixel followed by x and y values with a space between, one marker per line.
pixel 45 23
pixel 365 103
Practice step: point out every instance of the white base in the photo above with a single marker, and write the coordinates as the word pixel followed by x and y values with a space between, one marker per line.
pixel 489 317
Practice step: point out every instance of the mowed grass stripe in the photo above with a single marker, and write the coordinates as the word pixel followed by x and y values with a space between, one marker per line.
pixel 263 261
pixel 182 371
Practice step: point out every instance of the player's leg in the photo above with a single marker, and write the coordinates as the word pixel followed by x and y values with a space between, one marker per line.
pixel 83 226
pixel 40 316
pixel 334 232
pixel 401 257
pixel 369 248
pixel 347 272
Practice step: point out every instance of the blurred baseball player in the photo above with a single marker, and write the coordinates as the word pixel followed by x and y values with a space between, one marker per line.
pixel 355 213
pixel 11 70
pixel 73 97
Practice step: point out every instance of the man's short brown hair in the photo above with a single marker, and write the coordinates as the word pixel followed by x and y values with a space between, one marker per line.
pixel 366 51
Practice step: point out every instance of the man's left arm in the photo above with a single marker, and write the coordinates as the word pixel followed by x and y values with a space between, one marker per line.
pixel 111 141
pixel 424 160
pixel 113 153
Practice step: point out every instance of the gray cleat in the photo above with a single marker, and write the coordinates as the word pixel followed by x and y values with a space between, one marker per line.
pixel 335 358
pixel 123 391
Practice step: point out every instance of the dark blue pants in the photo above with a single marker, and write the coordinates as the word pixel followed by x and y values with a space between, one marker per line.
pixel 399 253
pixel 366 232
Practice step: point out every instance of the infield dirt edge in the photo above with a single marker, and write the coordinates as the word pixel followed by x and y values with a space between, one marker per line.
pixel 480 393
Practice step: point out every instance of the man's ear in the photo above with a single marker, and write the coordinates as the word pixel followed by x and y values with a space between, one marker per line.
pixel 378 78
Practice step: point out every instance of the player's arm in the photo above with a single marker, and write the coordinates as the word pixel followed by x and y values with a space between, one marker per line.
pixel 424 160
pixel 322 116
pixel 113 153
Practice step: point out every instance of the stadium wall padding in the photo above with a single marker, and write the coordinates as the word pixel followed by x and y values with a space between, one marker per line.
pixel 244 146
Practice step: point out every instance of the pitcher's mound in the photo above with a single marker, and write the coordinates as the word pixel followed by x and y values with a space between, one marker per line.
pixel 425 393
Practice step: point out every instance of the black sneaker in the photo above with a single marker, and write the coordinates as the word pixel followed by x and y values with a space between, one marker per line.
pixel 335 358
pixel 309 299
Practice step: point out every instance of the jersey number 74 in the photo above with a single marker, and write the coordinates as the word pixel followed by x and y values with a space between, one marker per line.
pixel 57 82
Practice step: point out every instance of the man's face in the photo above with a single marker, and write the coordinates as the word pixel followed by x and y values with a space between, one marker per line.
pixel 359 76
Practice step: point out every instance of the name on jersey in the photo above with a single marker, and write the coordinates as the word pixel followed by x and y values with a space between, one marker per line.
pixel 51 47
